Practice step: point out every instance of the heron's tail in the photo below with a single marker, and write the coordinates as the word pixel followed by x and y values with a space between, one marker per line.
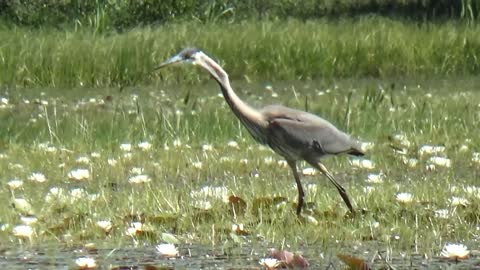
pixel 356 152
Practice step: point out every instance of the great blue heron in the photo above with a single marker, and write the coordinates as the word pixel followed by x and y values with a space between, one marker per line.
pixel 293 134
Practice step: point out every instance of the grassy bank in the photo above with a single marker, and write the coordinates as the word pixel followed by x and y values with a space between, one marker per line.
pixel 253 50
pixel 106 15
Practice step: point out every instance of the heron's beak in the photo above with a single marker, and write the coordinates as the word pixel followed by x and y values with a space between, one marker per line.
pixel 173 60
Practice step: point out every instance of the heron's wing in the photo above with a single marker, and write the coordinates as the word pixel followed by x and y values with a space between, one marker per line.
pixel 308 134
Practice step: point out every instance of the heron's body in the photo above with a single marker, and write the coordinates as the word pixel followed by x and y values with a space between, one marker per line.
pixel 307 136
pixel 293 134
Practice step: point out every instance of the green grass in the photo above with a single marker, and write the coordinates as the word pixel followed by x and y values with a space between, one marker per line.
pixel 376 109
pixel 103 15
pixel 271 51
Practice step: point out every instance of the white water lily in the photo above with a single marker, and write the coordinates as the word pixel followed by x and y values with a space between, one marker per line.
pixel 77 193
pixel 458 201
pixel 177 143
pixel 402 140
pixel 473 191
pixel 219 193
pixel 37 177
pixel 105 225
pixel 47 147
pixel 442 213
pixel 404 197
pixel 15 184
pixel 22 206
pixel 79 174
pixel 112 162
pixel 83 160
pixel 463 148
pixel 268 160
pixel 366 146
pixel 167 250
pixel 282 163
pixel 202 205
pixel 139 179
pixel 368 189
pixel 126 147
pixel 233 144
pixel 476 157
pixel 145 146
pixel 29 220
pixel 207 147
pixel 56 194
pixel 311 220
pixel 410 162
pixel 197 164
pixel 375 178
pixel 238 227
pixel 269 263
pixel 309 172
pixel 15 166
pixel 431 149
pixel 455 251
pixel 362 163
pixel 224 159
pixel 440 161
pixel 23 231
pixel 86 263
pixel 135 229
pixel 430 167
pixel 136 170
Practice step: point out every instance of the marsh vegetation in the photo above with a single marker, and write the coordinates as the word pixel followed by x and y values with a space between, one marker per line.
pixel 102 158
pixel 173 159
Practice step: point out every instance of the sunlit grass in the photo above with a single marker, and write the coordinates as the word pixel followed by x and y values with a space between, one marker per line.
pixel 288 50
pixel 123 170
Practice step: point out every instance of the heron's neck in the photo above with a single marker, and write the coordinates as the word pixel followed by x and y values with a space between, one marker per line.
pixel 240 108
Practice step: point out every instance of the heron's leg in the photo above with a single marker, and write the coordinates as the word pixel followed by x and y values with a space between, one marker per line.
pixel 339 187
pixel 301 194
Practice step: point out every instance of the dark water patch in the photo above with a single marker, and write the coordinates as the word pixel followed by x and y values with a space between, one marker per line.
pixel 204 257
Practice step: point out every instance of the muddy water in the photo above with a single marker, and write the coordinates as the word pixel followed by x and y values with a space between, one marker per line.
pixel 202 257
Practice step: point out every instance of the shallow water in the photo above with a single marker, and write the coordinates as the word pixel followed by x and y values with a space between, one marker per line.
pixel 203 257
pixel 59 256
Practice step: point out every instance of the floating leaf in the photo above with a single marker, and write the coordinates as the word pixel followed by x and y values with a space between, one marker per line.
pixel 236 239
pixel 169 238
pixel 135 218
pixel 91 248
pixel 239 229
pixel 164 218
pixel 202 215
pixel 354 263
pixel 152 267
pixel 289 259
pixel 282 255
pixel 299 262
pixel 237 205
pixel 267 202
pixel 22 206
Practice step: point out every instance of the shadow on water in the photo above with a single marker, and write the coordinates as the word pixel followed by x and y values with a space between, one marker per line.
pixel 203 257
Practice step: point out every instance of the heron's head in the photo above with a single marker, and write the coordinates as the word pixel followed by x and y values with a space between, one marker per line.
pixel 189 55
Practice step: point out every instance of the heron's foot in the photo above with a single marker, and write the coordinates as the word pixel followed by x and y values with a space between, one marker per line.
pixel 351 214
pixel 299 209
